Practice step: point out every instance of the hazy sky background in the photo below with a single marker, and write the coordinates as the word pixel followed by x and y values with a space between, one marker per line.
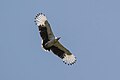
pixel 90 29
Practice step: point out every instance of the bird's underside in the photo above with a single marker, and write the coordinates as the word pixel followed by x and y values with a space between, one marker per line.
pixel 50 42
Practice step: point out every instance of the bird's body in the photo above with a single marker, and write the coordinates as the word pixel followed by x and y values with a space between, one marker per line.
pixel 50 42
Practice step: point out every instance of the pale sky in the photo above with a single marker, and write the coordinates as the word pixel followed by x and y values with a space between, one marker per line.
pixel 90 29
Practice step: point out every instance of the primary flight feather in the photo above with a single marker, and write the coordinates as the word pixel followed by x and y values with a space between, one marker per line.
pixel 50 42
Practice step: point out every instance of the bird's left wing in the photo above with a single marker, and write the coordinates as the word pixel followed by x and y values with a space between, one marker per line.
pixel 63 53
pixel 44 29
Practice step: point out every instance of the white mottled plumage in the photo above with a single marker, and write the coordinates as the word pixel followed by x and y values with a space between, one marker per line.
pixel 40 19
pixel 69 59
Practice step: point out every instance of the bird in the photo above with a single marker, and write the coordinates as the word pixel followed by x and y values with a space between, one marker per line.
pixel 50 42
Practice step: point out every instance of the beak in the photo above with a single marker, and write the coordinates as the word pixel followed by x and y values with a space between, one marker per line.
pixel 58 38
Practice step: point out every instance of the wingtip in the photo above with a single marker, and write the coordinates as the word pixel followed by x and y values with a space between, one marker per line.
pixel 40 19
pixel 69 59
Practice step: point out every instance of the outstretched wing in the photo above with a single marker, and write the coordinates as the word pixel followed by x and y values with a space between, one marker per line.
pixel 63 53
pixel 44 29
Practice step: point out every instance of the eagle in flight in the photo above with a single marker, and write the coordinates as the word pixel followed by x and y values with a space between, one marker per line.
pixel 50 42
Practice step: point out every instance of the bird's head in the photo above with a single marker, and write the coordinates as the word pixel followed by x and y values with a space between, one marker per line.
pixel 58 38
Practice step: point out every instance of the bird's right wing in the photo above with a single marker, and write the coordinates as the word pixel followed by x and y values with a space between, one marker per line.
pixel 63 53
